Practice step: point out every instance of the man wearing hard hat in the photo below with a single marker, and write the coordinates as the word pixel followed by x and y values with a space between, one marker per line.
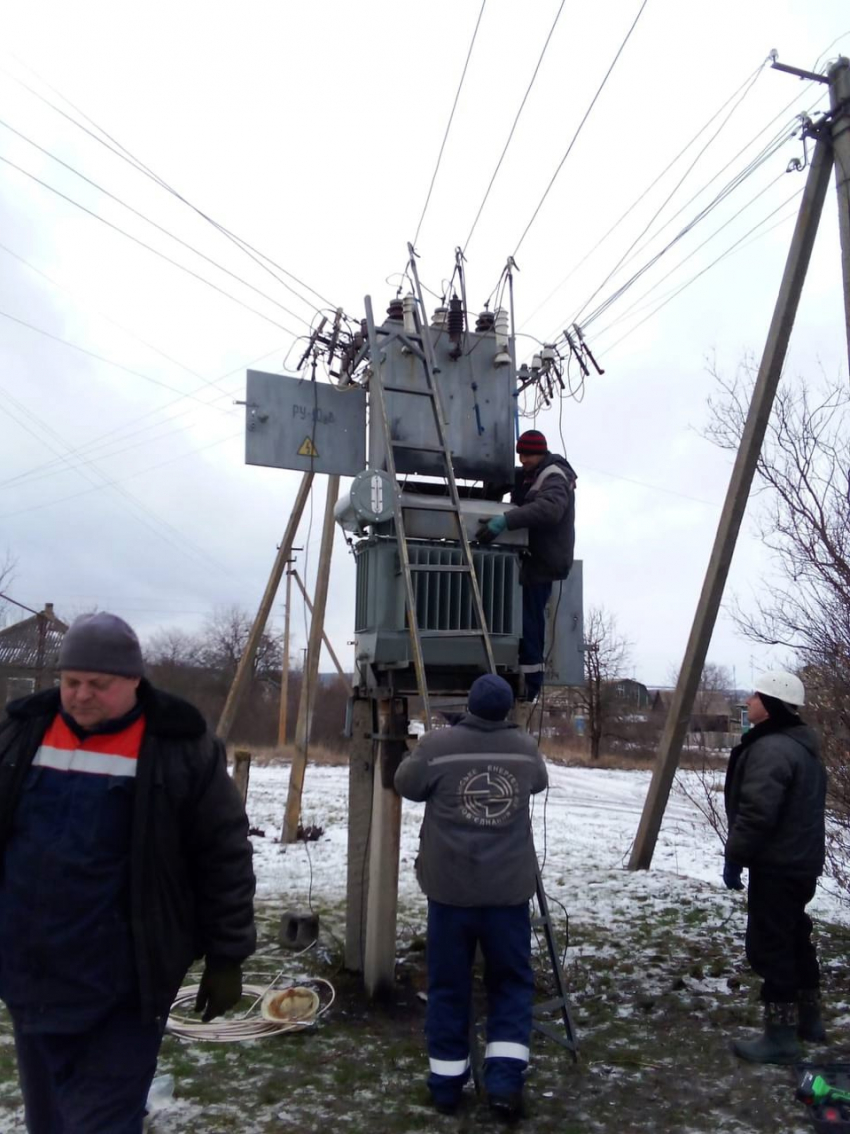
pixel 775 800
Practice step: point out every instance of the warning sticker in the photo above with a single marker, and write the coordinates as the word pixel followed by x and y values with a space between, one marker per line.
pixel 308 449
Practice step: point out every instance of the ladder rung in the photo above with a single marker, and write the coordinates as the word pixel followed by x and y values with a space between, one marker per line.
pixel 409 390
pixel 440 567
pixel 433 507
pixel 547 1006
pixel 419 448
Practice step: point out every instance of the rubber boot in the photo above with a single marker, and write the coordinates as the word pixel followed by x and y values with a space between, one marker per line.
pixel 810 1022
pixel 778 1043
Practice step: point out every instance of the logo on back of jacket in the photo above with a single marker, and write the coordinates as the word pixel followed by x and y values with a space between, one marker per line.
pixel 488 798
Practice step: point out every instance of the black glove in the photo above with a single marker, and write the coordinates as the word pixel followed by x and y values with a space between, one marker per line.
pixel 219 990
pixel 732 876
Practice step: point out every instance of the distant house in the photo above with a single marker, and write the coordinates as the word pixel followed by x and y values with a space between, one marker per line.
pixel 29 654
pixel 714 715
pixel 632 693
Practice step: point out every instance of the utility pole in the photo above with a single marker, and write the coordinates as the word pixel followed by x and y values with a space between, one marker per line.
pixel 243 670
pixel 325 639
pixel 309 680
pixel 737 494
pixel 284 669
pixel 839 101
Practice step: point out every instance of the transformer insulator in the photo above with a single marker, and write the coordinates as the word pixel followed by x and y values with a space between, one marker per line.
pixel 485 322
pixel 455 318
pixel 395 311
pixel 440 317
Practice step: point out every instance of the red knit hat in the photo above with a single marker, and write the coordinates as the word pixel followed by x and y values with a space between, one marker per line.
pixel 532 442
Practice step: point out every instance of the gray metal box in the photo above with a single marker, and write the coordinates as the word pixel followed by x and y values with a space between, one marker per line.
pixel 477 400
pixel 293 423
pixel 565 622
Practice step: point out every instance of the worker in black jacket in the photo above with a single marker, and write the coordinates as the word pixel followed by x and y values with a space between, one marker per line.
pixel 125 855
pixel 544 499
pixel 775 800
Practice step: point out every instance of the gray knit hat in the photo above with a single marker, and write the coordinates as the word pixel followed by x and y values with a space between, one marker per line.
pixel 102 643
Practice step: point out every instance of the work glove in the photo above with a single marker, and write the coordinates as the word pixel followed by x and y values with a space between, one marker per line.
pixel 494 527
pixel 219 990
pixel 732 876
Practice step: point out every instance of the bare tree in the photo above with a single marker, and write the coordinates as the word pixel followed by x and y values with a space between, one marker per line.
pixel 223 640
pixel 8 563
pixel 803 477
pixel 606 658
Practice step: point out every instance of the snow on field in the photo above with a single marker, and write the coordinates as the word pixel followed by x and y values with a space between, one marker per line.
pixel 584 829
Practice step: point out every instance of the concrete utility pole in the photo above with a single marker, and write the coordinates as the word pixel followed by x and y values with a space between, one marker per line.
pixel 309 679
pixel 737 494
pixel 839 101
pixel 246 662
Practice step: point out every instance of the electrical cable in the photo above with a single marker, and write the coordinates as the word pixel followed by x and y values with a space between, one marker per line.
pixel 246 1026
pixel 694 251
pixel 641 197
pixel 125 155
pixel 160 228
pixel 783 135
pixel 732 248
pixel 449 125
pixel 726 191
pixel 514 126
pixel 148 247
pixel 110 362
pixel 103 438
pixel 580 126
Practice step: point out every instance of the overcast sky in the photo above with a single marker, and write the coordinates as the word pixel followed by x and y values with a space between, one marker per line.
pixel 312 131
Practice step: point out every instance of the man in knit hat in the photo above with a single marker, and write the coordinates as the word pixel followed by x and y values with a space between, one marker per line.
pixel 775 800
pixel 478 867
pixel 544 499
pixel 125 856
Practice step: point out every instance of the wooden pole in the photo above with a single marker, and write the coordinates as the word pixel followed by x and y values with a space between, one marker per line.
pixel 382 898
pixel 361 772
pixel 242 771
pixel 309 681
pixel 246 662
pixel 839 98
pixel 284 669
pixel 325 639
pixel 770 371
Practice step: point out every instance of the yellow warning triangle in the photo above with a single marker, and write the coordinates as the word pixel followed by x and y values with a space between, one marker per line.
pixel 308 449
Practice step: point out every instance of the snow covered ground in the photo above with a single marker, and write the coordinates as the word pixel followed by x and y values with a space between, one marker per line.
pixel 584 829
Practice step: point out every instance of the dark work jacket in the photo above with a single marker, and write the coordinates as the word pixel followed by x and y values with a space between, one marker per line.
pixel 546 506
pixel 775 796
pixel 191 882
pixel 475 847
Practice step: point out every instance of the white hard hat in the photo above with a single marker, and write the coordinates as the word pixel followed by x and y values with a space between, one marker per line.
pixel 783 686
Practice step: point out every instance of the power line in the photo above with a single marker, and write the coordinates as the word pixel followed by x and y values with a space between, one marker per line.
pixel 109 361
pixel 102 438
pixel 143 216
pixel 732 248
pixel 643 195
pixel 580 126
pixel 784 134
pixel 449 124
pixel 149 247
pixel 513 128
pixel 120 151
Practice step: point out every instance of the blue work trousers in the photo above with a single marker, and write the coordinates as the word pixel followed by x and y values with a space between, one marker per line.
pixel 93 1082
pixel 504 934
pixel 532 648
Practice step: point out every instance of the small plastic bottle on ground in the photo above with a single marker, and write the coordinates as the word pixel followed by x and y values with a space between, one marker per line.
pixel 161 1093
